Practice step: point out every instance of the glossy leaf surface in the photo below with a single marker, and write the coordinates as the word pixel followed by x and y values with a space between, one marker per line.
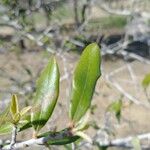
pixel 84 80
pixel 46 95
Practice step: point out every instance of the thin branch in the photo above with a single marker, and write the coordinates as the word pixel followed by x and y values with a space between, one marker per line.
pixel 133 77
pixel 13 139
pixel 11 24
pixel 112 11
pixel 126 142
pixel 130 97
pixel 119 49
pixel 76 16
pixel 124 12
pixel 120 142
pixel 134 56
pixel 110 80
pixel 40 141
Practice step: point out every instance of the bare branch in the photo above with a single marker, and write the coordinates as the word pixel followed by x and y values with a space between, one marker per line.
pixel 13 139
pixel 124 12
pixel 110 80
pixel 117 12
pixel 126 142
pixel 41 141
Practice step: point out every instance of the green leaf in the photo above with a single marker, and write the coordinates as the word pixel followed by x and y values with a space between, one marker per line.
pixel 116 107
pixel 60 140
pixel 25 110
pixel 84 136
pixel 16 118
pixel 83 123
pixel 24 126
pixel 14 108
pixel 146 81
pixel 84 80
pixel 6 128
pixel 46 95
pixel 136 143
pixel 4 116
pixel 25 123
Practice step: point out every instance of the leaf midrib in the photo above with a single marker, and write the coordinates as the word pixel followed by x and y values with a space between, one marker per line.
pixel 48 82
pixel 83 88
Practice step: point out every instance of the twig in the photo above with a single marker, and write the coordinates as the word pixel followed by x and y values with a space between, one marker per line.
pixel 111 11
pixel 120 89
pixel 133 77
pixel 120 142
pixel 40 141
pixel 119 49
pixel 124 12
pixel 126 142
pixel 13 139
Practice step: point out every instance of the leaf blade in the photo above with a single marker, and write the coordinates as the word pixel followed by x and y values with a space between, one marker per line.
pixel 46 94
pixel 146 81
pixel 4 116
pixel 6 128
pixel 14 108
pixel 25 110
pixel 84 80
pixel 66 137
